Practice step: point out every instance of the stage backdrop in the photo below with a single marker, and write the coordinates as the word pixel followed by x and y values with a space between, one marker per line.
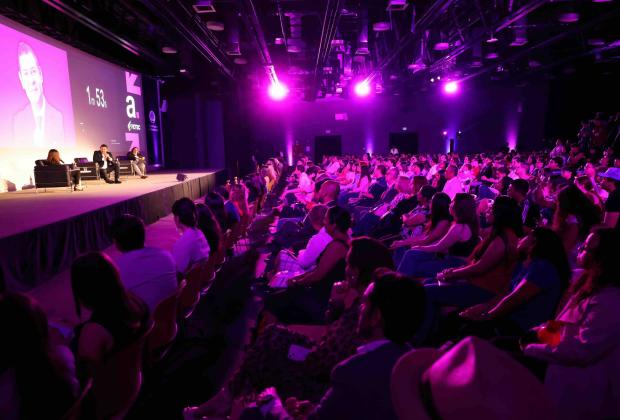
pixel 56 97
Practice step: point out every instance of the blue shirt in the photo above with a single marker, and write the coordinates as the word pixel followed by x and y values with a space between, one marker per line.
pixel 541 307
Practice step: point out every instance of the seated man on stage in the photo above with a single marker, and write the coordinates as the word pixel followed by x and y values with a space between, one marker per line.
pixel 138 162
pixel 107 164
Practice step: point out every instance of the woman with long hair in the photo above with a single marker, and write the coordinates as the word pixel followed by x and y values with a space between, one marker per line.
pixel 208 225
pixel 452 249
pixel 215 202
pixel 488 270
pixel 117 317
pixel 37 376
pixel 436 223
pixel 585 185
pixel 574 215
pixel 53 158
pixel 535 289
pixel 305 300
pixel 239 197
pixel 268 362
pixel 582 344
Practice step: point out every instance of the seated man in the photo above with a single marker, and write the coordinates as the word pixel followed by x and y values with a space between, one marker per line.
pixel 392 309
pixel 288 264
pixel 149 273
pixel 138 162
pixel 107 164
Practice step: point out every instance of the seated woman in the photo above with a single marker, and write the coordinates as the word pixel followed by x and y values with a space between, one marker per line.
pixel 305 374
pixel 53 158
pixel 370 219
pixel 138 162
pixel 305 300
pixel 436 225
pixel 452 249
pixel 117 317
pixel 192 247
pixel 574 215
pixel 488 272
pixel 582 345
pixel 535 290
pixel 37 375
pixel 287 264
pixel 210 228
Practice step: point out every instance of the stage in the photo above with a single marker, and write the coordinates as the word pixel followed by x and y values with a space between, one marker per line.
pixel 42 232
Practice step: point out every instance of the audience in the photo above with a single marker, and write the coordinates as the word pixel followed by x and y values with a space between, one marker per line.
pixel 582 345
pixel 37 372
pixel 192 247
pixel 149 273
pixel 454 223
pixel 117 317
pixel 452 249
pixel 306 375
pixel 305 300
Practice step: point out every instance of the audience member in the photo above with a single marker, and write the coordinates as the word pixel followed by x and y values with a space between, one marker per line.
pixel 37 372
pixel 582 345
pixel 149 273
pixel 117 317
pixel 192 247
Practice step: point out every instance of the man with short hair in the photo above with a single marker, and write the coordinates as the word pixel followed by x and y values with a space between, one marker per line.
pixel 148 272
pixel 392 309
pixel 39 124
pixel 530 211
pixel 107 164
pixel 453 185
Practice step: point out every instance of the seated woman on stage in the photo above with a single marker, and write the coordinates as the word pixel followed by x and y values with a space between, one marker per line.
pixel 53 158
pixel 138 162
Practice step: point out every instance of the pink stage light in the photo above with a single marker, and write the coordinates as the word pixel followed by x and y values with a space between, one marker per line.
pixel 451 87
pixel 362 88
pixel 277 91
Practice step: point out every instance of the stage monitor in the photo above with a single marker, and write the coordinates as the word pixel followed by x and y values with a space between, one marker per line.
pixel 57 97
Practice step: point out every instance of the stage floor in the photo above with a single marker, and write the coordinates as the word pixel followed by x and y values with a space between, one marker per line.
pixel 42 232
pixel 26 210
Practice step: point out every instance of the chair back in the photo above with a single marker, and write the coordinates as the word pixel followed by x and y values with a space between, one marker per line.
pixel 190 295
pixel 51 176
pixel 117 382
pixel 78 409
pixel 164 328
pixel 40 162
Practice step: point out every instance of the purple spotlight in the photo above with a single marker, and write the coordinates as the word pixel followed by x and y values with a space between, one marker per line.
pixel 451 88
pixel 444 132
pixel 362 88
pixel 277 91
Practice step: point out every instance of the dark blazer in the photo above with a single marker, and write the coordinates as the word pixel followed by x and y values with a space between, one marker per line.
pixel 360 386
pixel 98 158
pixel 131 156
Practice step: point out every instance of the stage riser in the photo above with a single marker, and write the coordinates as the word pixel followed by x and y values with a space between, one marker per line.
pixel 33 257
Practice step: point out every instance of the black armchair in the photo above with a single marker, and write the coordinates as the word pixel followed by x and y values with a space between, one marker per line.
pixel 124 166
pixel 52 176
pixel 89 171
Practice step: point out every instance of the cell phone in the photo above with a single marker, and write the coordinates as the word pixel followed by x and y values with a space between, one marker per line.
pixel 298 353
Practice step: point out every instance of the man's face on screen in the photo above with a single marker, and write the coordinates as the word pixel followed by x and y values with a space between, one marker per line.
pixel 31 77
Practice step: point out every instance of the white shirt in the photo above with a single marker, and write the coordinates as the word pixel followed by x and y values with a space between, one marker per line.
pixel 317 244
pixel 305 183
pixel 453 187
pixel 191 248
pixel 333 168
pixel 150 273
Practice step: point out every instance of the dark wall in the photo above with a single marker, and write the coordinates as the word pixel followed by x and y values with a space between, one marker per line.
pixel 579 97
pixel 489 118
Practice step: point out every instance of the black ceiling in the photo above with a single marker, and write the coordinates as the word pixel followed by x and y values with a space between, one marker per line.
pixel 320 46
